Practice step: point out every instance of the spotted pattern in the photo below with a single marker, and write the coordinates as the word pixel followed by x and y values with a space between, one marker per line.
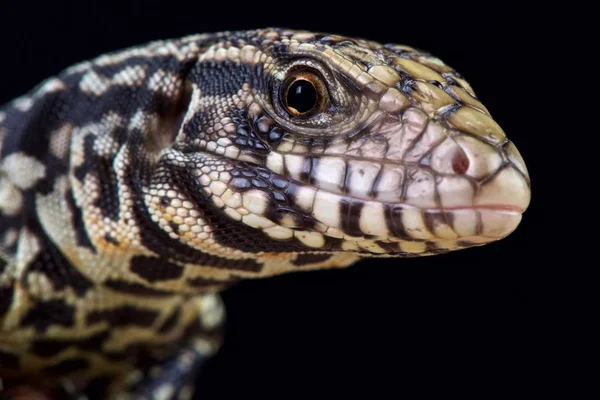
pixel 136 186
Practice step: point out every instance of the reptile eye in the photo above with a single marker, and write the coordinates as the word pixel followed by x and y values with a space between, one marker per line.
pixel 304 94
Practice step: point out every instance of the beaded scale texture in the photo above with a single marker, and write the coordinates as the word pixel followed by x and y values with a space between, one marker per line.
pixel 136 186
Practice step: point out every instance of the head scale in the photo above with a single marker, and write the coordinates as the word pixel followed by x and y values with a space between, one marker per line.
pixel 306 146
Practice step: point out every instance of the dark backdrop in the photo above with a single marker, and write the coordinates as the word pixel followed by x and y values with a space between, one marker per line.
pixel 457 323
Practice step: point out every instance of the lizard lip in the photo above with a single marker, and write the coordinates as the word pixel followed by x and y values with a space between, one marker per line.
pixel 511 208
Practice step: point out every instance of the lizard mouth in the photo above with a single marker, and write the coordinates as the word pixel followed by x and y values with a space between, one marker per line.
pixel 493 207
pixel 287 210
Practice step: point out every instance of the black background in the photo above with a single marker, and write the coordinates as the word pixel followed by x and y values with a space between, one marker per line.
pixel 463 322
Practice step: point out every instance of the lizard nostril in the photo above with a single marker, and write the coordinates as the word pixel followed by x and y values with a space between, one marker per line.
pixel 460 162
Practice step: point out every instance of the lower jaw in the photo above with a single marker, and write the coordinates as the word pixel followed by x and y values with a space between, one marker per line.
pixel 440 231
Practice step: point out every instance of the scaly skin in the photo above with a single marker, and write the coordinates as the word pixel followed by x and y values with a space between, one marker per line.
pixel 135 187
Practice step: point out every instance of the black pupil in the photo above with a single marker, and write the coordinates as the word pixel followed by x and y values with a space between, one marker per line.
pixel 302 96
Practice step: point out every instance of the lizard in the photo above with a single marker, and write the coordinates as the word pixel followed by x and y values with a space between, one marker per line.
pixel 136 186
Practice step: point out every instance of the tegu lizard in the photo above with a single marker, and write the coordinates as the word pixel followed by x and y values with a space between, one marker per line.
pixel 136 186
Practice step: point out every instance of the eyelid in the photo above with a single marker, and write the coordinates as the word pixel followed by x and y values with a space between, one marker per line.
pixel 315 66
pixel 337 117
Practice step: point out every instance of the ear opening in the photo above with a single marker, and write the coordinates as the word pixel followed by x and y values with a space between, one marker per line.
pixel 170 115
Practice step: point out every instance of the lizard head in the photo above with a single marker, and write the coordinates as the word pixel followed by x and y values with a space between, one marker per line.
pixel 296 142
